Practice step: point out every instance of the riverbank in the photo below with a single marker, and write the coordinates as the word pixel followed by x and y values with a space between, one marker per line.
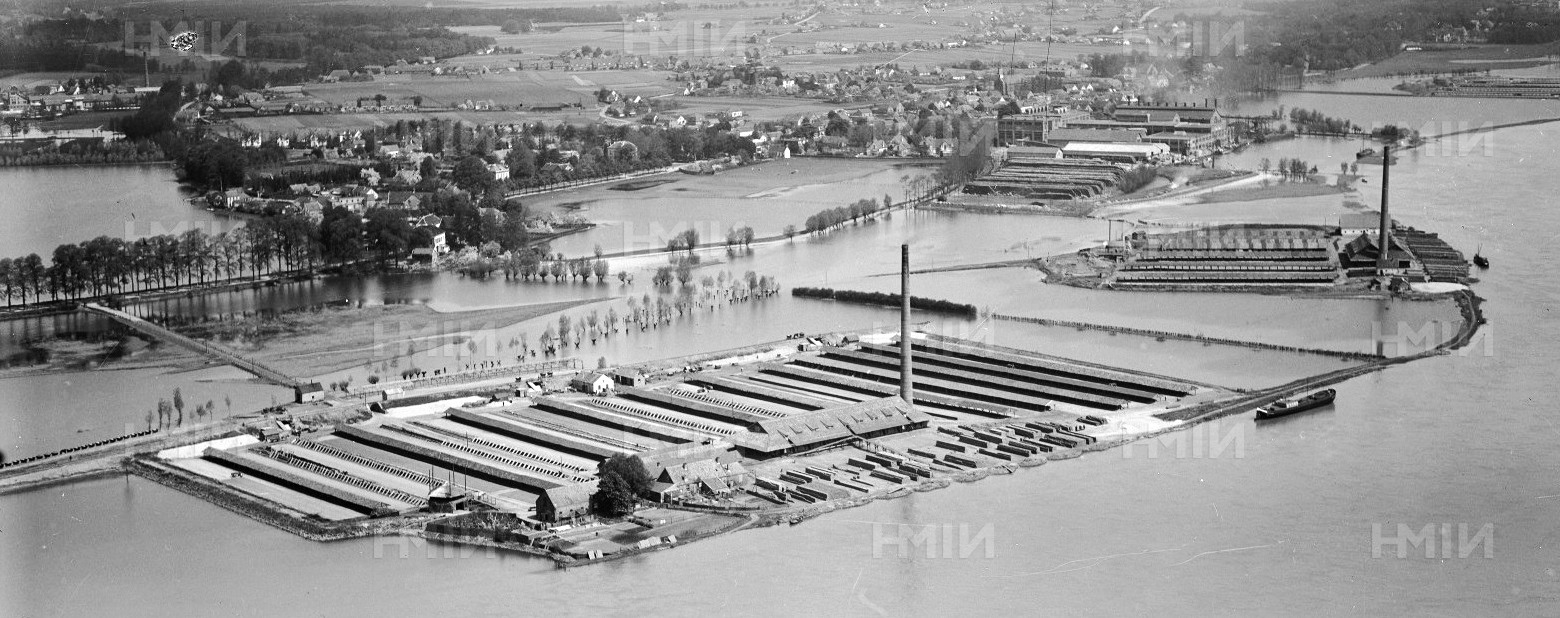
pixel 130 351
pixel 305 525
pixel 1465 59
pixel 720 522
pixel 1177 421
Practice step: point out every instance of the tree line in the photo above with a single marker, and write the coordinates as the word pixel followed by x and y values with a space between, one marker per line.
pixel 1135 178
pixel 107 265
pixel 891 300
pixel 1288 168
pixel 1310 121
pixel 840 215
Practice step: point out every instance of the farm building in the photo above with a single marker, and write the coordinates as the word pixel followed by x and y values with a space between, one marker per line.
pixel 592 383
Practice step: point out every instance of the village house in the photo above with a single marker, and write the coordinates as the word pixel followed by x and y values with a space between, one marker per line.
pixel 403 200
pixel 499 170
pixel 592 383
pixel 431 244
pixel 703 477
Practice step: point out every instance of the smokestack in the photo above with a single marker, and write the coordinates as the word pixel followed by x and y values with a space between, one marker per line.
pixel 906 389
pixel 1384 239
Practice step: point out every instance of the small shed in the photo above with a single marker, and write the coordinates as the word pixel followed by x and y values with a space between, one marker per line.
pixel 630 377
pixel 447 499
pixel 307 393
pixel 592 383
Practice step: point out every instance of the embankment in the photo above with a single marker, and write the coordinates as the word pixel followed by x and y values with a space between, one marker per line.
pixel 1160 334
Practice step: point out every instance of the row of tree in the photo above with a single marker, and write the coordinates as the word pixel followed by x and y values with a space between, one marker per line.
pixel 1311 121
pixel 170 413
pixel 1288 168
pixel 840 215
pixel 106 265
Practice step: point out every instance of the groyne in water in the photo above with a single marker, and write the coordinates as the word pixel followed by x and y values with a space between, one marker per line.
pixel 1159 334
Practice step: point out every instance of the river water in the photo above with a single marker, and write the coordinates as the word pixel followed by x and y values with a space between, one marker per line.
pixel 48 206
pixel 1281 523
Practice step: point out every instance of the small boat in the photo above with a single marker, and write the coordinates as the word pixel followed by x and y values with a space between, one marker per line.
pixel 1365 153
pixel 1480 260
pixel 1285 407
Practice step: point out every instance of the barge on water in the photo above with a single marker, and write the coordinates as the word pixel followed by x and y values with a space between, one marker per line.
pixel 1285 407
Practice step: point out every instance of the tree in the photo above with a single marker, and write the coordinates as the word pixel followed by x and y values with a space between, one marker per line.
pixel 389 234
pixel 472 174
pixel 341 235
pixel 178 404
pixel 521 160
pixel 427 168
pixel 623 480
pixel 164 412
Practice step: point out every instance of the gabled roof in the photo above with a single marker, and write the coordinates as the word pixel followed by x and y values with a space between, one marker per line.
pixel 568 496
pixel 592 377
pixel 831 424
pixel 1094 135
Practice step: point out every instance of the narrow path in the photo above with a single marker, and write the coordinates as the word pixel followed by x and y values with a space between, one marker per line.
pixel 226 356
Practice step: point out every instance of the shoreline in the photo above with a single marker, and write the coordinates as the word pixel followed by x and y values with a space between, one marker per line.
pixel 315 529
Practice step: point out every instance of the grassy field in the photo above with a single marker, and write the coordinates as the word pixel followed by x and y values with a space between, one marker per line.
pixel 1273 191
pixel 346 122
pixel 1473 58
pixel 739 28
pixel 550 41
pixel 315 343
pixel 504 87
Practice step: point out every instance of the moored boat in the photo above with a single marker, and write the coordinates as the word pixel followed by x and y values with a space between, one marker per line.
pixel 1285 407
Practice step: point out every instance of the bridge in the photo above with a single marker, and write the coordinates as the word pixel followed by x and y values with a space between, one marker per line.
pixel 226 356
